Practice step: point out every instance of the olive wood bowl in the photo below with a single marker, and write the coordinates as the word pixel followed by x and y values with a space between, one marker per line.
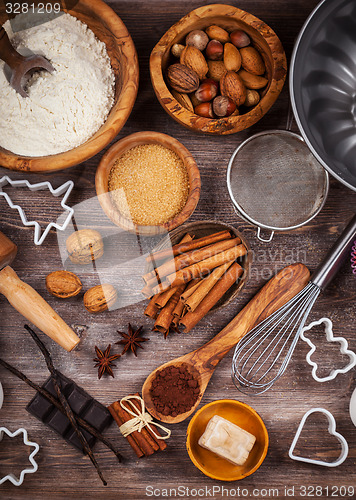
pixel 239 414
pixel 109 28
pixel 229 18
pixel 204 228
pixel 129 142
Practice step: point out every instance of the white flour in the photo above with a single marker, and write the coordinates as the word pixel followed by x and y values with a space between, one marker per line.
pixel 66 108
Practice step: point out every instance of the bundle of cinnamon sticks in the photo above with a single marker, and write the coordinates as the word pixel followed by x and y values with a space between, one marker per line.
pixel 143 443
pixel 188 279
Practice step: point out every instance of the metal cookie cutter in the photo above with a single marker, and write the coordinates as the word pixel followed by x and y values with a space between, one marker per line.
pixel 1 396
pixel 64 188
pixel 330 338
pixel 11 477
pixel 332 432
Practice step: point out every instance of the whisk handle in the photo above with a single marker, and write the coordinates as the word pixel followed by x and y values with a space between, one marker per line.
pixel 336 256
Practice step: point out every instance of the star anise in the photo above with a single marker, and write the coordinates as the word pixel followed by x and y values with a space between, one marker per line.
pixel 131 340
pixel 104 361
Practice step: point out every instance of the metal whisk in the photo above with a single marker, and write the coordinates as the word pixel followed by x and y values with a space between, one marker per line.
pixel 262 355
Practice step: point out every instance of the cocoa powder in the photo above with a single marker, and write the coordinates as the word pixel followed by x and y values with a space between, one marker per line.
pixel 175 390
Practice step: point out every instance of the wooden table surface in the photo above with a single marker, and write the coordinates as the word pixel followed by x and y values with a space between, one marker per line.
pixel 63 472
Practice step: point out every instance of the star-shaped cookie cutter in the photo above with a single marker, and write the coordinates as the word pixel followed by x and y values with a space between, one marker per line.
pixel 330 338
pixel 332 431
pixel 11 477
pixel 64 188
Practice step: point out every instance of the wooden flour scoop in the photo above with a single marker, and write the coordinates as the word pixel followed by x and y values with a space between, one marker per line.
pixel 29 303
pixel 20 65
pixel 203 361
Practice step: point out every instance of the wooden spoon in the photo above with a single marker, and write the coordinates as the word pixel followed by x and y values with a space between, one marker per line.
pixel 203 361
pixel 20 65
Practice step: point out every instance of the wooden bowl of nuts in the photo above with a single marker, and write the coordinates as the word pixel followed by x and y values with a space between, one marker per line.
pixel 109 29
pixel 148 183
pixel 218 70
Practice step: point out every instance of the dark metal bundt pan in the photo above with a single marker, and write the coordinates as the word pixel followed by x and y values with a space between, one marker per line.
pixel 323 86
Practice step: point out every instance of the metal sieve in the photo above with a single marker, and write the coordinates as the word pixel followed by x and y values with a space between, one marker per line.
pixel 275 182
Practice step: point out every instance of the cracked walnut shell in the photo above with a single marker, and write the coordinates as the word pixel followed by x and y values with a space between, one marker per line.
pixel 85 246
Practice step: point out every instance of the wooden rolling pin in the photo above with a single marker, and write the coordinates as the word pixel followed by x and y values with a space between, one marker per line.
pixel 29 303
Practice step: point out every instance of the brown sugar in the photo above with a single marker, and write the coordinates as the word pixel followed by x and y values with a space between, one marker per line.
pixel 149 184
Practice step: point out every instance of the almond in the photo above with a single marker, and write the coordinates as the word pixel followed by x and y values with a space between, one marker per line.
pixel 252 81
pixel 100 298
pixel 216 70
pixel 232 57
pixel 252 61
pixel 252 98
pixel 214 32
pixel 182 79
pixel 183 99
pixel 63 284
pixel 194 59
pixel 232 86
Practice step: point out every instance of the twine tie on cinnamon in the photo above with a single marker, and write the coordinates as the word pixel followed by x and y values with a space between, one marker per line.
pixel 140 419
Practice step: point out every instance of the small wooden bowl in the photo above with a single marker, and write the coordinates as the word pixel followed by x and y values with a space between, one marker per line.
pixel 204 228
pixel 109 28
pixel 229 18
pixel 120 147
pixel 211 464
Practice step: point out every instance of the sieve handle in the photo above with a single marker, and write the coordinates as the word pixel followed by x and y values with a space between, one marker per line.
pixel 264 239
pixel 336 256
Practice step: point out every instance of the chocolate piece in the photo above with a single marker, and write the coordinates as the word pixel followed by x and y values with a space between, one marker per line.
pixel 82 405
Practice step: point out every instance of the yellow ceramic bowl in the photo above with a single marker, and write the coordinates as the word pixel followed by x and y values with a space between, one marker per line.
pixel 211 464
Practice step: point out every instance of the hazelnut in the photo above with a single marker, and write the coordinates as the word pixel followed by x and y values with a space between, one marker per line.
pixel 206 92
pixel 223 106
pixel 214 50
pixel 199 39
pixel 213 82
pixel 240 39
pixel 252 98
pixel 204 109
pixel 177 49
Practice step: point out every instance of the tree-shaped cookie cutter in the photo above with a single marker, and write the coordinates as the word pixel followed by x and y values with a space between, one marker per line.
pixel 332 431
pixel 11 477
pixel 330 338
pixel 64 188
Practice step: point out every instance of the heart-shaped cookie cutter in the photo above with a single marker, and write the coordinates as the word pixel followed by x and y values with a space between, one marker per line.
pixel 11 477
pixel 332 432
pixel 65 189
pixel 330 338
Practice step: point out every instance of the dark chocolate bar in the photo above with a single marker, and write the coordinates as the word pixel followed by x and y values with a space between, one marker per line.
pixel 82 404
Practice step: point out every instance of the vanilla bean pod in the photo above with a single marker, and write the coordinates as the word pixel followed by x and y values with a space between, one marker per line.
pixel 83 423
pixel 63 400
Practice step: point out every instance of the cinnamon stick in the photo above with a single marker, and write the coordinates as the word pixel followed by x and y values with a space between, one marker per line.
pixel 200 268
pixel 152 310
pixel 152 274
pixel 190 258
pixel 162 445
pixel 188 291
pixel 178 310
pixel 144 432
pixel 190 319
pixel 165 317
pixel 122 416
pixel 130 439
pixel 205 286
pixel 182 247
pixel 164 297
